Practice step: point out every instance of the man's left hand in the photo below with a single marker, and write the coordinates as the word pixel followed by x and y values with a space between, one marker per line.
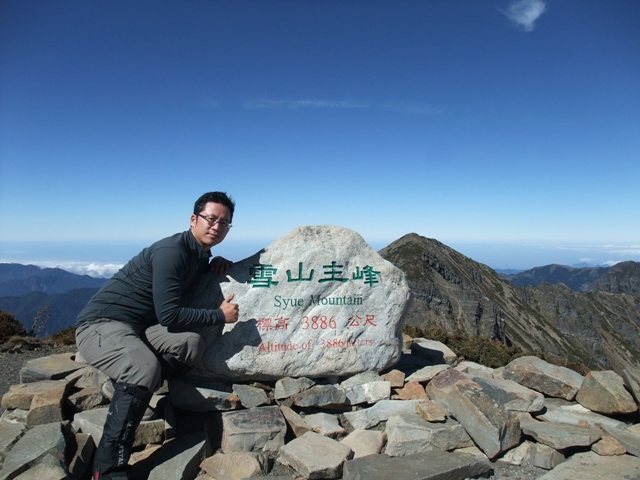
pixel 220 266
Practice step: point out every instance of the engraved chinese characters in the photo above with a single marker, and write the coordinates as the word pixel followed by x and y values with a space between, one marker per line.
pixel 317 302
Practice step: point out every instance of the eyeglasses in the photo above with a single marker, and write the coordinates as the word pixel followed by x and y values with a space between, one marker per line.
pixel 224 224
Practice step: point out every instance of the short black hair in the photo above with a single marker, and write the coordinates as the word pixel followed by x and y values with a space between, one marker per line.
pixel 215 197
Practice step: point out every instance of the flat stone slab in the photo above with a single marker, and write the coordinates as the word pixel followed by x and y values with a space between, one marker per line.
pixel 316 303
pixel 315 456
pixel 21 395
pixel 34 445
pixel 260 429
pixel 380 412
pixel 560 436
pixel 591 466
pixel 410 433
pixel 543 377
pixel 434 465
pixel 577 415
pixel 179 458
pixel 52 367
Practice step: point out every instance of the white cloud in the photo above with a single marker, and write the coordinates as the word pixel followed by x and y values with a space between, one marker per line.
pixel 610 263
pixel 98 270
pixel 524 13
pixel 297 104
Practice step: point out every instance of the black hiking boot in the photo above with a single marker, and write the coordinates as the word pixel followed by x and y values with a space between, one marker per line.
pixel 127 408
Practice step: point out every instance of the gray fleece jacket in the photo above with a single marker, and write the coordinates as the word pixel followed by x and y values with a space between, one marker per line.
pixel 150 288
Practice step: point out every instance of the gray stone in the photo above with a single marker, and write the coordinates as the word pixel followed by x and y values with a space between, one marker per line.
pixel 543 456
pixel 325 424
pixel 260 429
pixel 10 433
pixel 369 393
pixel 251 396
pixel 50 468
pixel 302 455
pixel 474 369
pixel 87 398
pixel 47 406
pixel 492 428
pixel 365 442
pixel 297 424
pixel 322 396
pixel 360 379
pixel 15 416
pixel 434 465
pixel 29 450
pixel 380 412
pixel 591 466
pixel 576 414
pixel 519 455
pixel 631 377
pixel 434 351
pixel 442 384
pixel 604 392
pixel 21 395
pixel 234 466
pixel 425 374
pixel 630 440
pixel 342 319
pixel 544 377
pixel 179 459
pixel 512 395
pixel 287 386
pixel 53 367
pixel 409 433
pixel 86 377
pixel 560 436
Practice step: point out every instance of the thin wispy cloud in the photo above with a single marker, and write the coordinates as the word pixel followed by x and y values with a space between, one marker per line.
pixel 300 104
pixel 524 13
pixel 415 109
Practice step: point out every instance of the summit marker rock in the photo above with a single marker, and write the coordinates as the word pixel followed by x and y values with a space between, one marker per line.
pixel 318 302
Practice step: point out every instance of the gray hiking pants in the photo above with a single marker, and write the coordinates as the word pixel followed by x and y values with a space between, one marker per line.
pixel 129 354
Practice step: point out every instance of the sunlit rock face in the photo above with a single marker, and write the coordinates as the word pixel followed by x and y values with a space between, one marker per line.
pixel 317 302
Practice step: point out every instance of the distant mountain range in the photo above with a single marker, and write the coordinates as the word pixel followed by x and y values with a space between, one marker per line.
pixel 622 277
pixel 589 314
pixel 27 289
pixel 17 279
pixel 597 324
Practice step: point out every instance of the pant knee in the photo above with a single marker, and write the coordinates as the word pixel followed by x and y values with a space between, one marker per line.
pixel 190 350
pixel 147 374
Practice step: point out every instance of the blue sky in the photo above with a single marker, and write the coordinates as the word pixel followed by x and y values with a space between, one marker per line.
pixel 508 130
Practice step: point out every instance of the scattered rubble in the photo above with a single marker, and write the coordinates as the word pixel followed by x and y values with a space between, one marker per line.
pixel 430 416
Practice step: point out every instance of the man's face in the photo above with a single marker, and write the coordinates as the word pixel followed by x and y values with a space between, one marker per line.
pixel 212 224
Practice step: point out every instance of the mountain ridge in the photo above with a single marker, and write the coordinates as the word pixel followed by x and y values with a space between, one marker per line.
pixel 598 328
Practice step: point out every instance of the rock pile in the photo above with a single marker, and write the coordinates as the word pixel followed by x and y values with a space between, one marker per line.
pixel 418 420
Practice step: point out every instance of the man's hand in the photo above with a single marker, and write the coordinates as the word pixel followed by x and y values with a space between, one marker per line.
pixel 220 266
pixel 230 310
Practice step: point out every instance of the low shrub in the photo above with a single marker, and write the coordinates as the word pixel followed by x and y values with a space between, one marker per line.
pixel 10 326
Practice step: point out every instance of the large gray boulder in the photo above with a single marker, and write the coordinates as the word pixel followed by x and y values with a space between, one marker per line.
pixel 318 302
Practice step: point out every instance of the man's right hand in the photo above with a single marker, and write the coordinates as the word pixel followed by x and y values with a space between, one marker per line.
pixel 230 310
